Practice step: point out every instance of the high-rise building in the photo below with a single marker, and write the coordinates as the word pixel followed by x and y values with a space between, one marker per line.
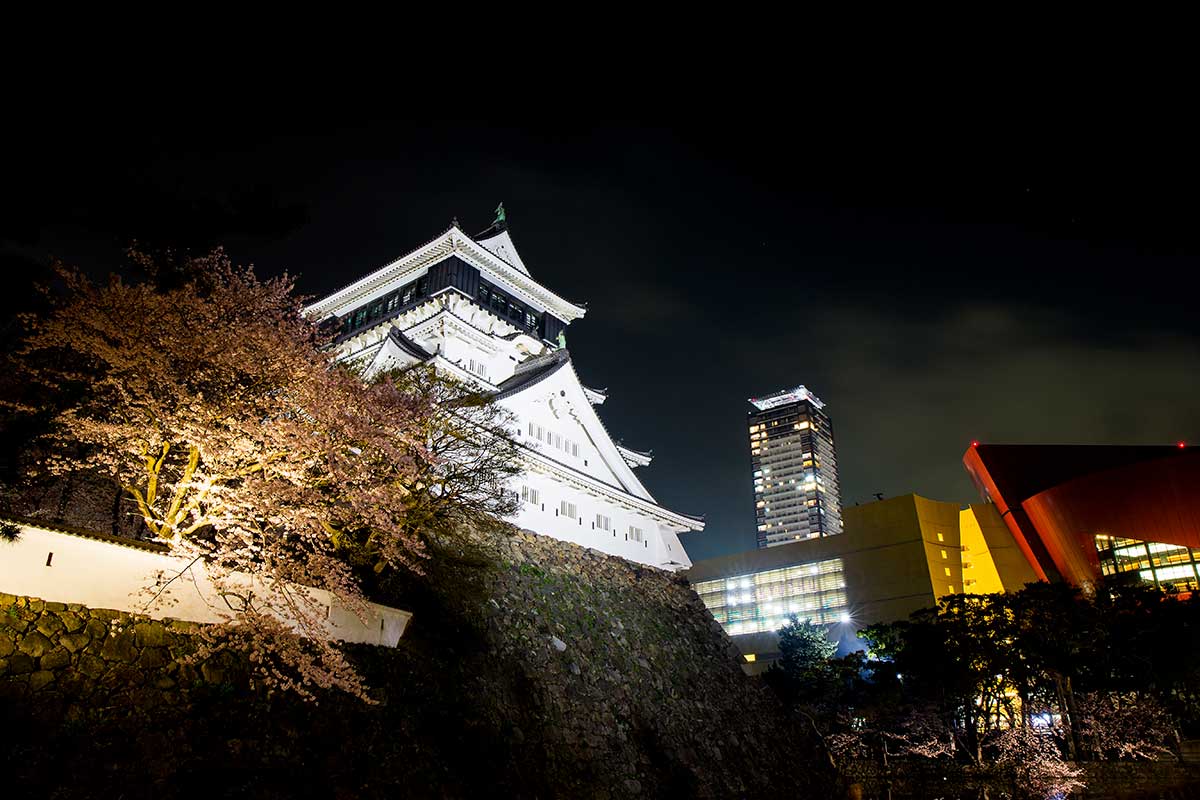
pixel 795 468
pixel 468 306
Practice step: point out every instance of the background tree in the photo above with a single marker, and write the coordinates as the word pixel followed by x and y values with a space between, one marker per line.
pixel 805 650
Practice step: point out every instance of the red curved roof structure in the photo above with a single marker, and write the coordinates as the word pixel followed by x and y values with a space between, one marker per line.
pixel 1057 498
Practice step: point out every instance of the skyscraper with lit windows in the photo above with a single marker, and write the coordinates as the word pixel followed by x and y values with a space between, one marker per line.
pixel 795 468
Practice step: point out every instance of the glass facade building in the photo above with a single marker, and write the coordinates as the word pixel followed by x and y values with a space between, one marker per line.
pixel 1083 513
pixel 794 467
pixel 1167 566
pixel 762 602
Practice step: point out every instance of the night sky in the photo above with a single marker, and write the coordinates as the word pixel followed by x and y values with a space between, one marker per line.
pixel 933 279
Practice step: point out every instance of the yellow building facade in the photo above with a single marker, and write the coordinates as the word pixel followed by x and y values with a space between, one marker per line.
pixel 894 557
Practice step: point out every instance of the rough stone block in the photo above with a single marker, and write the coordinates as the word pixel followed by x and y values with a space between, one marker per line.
pixel 74 642
pixel 91 666
pixel 57 658
pixel 212 672
pixel 41 679
pixel 119 647
pixel 19 664
pixel 35 644
pixel 56 606
pixel 71 621
pixel 106 614
pixel 152 657
pixel 50 625
pixel 18 621
pixel 7 646
pixel 183 626
pixel 96 629
pixel 122 676
pixel 149 634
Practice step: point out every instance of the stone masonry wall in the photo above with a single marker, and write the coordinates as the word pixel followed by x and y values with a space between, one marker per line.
pixel 532 668
pixel 71 657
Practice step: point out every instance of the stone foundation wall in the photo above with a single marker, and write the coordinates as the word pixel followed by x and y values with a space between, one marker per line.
pixel 532 668
pixel 76 658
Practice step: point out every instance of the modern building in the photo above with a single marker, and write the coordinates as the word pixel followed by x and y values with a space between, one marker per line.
pixel 469 306
pixel 894 557
pixel 794 466
pixel 1083 512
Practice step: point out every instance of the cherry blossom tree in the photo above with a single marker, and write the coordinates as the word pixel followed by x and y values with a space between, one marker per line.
pixel 215 408
pixel 1034 764
pixel 1125 725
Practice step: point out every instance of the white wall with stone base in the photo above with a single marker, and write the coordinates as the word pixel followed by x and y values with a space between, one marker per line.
pixel 70 568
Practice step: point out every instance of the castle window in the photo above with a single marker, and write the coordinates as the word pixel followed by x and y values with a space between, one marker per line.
pixel 531 496
pixel 603 523
pixel 567 509
pixel 636 534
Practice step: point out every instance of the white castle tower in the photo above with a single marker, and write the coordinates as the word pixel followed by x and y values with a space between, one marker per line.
pixel 469 306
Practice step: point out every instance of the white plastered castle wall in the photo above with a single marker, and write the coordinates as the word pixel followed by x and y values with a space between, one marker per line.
pixel 470 342
pixel 70 568
pixel 565 434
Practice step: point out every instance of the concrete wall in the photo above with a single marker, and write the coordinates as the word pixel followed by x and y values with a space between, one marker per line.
pixel 103 572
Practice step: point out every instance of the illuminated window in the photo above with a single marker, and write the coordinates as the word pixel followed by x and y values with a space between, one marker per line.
pixel 944 554
pixel 941 538
pixel 1163 565
pixel 950 587
pixel 750 657
pixel 947 571
pixel 763 601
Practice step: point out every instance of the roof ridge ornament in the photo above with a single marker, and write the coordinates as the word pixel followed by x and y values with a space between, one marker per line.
pixel 501 217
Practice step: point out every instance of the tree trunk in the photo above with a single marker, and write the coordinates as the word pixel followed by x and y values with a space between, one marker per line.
pixel 116 511
pixel 1068 720
pixel 1074 713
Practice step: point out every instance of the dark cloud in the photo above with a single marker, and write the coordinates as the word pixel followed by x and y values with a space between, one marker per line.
pixel 1003 278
